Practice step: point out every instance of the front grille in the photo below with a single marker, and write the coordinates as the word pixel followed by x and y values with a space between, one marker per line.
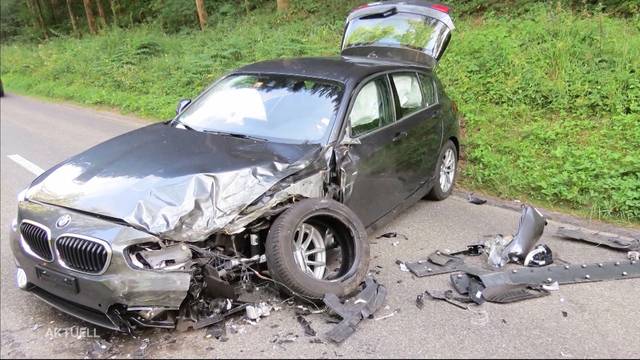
pixel 82 254
pixel 37 238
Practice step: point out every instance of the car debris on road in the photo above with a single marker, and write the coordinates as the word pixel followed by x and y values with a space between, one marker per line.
pixel 535 279
pixel 503 250
pixel 306 325
pixel 612 241
pixel 392 234
pixel 353 310
pixel 475 200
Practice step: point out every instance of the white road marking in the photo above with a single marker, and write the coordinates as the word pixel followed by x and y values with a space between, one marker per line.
pixel 33 168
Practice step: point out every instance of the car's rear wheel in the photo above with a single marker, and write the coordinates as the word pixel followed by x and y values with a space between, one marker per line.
pixel 446 172
pixel 318 246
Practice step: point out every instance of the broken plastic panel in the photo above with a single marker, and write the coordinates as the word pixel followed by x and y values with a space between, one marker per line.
pixel 565 274
pixel 440 263
pixel 355 309
pixel 597 238
pixel 504 294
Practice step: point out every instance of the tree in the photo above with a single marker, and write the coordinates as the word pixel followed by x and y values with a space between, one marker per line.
pixel 282 5
pixel 36 11
pixel 72 17
pixel 52 10
pixel 103 19
pixel 91 21
pixel 202 14
pixel 113 5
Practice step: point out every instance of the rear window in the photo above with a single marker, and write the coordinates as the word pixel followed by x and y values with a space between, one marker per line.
pixel 399 30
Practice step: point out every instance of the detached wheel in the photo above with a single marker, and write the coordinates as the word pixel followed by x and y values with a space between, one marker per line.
pixel 447 169
pixel 318 246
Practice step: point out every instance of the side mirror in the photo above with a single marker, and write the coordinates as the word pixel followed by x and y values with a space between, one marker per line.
pixel 182 105
pixel 348 140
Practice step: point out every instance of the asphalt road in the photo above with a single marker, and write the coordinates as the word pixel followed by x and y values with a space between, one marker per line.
pixel 578 321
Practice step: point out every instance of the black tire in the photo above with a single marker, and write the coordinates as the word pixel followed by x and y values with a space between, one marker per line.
pixel 349 232
pixel 437 193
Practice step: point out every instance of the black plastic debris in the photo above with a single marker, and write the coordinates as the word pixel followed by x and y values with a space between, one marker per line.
pixel 420 301
pixel 615 242
pixel 475 290
pixel 471 250
pixel 529 283
pixel 392 234
pixel 449 297
pixel 306 326
pixel 564 274
pixel 443 259
pixel 440 263
pixel 504 294
pixel 541 255
pixel 355 309
pixel 460 282
pixel 475 200
pixel 565 314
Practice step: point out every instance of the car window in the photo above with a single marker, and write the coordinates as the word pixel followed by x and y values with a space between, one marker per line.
pixel 371 109
pixel 409 93
pixel 428 90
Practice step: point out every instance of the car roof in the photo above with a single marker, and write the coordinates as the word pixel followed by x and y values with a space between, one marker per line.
pixel 343 69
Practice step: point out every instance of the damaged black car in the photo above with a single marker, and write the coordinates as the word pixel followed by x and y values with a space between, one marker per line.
pixel 276 171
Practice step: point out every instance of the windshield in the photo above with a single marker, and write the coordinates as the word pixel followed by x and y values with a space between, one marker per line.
pixel 415 31
pixel 266 106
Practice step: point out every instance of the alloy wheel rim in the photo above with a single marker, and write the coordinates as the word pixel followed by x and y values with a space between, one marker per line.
pixel 309 250
pixel 447 170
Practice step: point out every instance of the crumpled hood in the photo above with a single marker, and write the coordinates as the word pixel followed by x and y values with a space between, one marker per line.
pixel 175 183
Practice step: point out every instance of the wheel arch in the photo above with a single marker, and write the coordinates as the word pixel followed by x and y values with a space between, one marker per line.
pixel 456 142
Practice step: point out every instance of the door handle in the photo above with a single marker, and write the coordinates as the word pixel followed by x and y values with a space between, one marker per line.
pixel 399 136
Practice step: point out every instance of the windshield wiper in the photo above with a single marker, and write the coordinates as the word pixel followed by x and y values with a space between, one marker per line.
pixel 241 136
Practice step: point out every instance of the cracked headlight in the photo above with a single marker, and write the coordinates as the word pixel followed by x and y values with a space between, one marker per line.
pixel 153 256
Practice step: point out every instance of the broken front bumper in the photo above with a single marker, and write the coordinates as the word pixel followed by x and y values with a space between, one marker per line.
pixel 95 298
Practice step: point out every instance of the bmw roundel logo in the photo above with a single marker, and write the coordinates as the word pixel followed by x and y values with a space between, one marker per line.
pixel 63 221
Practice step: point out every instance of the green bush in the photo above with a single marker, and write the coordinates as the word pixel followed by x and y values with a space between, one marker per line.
pixel 551 98
pixel 552 108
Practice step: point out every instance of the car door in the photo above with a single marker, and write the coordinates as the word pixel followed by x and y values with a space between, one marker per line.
pixel 420 130
pixel 432 126
pixel 371 184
